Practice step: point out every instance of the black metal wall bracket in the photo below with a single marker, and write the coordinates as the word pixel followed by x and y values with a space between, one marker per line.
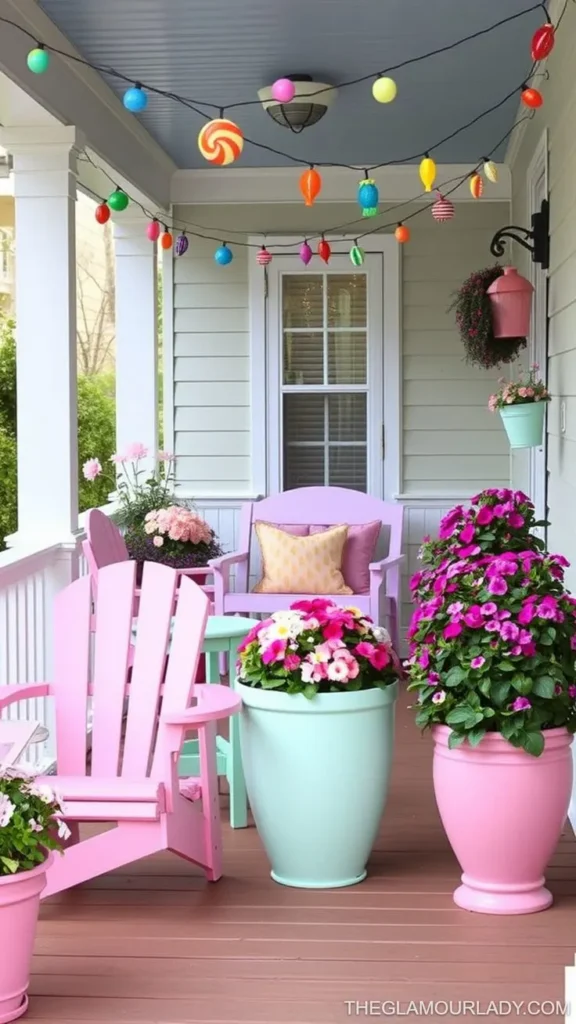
pixel 536 240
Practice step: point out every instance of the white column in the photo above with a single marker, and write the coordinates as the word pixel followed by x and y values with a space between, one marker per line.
pixel 136 332
pixel 45 227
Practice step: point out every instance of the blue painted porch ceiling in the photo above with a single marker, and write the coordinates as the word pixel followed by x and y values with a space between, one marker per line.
pixel 222 51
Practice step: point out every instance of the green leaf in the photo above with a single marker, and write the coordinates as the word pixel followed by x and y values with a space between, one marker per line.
pixel 455 739
pixel 310 691
pixel 485 687
pixel 521 683
pixel 455 676
pixel 422 717
pixel 500 692
pixel 12 865
pixel 462 715
pixel 544 686
pixel 475 735
pixel 533 743
pixel 506 666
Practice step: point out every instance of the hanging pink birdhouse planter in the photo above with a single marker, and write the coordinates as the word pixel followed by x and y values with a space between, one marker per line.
pixel 511 300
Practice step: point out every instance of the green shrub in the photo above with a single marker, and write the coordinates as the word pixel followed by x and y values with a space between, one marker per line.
pixel 8 493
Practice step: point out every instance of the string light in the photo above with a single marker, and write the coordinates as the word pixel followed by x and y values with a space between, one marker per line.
pixel 38 60
pixel 220 141
pixel 368 197
pixel 135 99
pixel 181 246
pixel 153 230
pixel 310 185
pixel 324 250
pixel 102 213
pixel 357 255
pixel 118 200
pixel 283 90
pixel 166 239
pixel 223 255
pixel 532 98
pixel 263 257
pixel 402 234
pixel 490 170
pixel 476 186
pixel 427 172
pixel 306 253
pixel 542 43
pixel 384 90
pixel 443 209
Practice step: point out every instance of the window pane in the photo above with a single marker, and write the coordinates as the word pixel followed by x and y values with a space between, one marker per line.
pixel 347 418
pixel 303 358
pixel 347 300
pixel 303 466
pixel 302 301
pixel 303 418
pixel 347 467
pixel 347 357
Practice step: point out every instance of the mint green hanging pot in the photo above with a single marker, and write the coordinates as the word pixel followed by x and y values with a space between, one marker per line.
pixel 524 423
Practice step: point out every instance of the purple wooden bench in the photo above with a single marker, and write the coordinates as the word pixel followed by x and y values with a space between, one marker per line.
pixel 316 507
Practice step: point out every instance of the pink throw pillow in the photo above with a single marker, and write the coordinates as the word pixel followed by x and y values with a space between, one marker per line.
pixel 358 553
pixel 296 530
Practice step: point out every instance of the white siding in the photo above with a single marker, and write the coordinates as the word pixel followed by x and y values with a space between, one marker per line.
pixel 451 443
pixel 211 372
pixel 558 115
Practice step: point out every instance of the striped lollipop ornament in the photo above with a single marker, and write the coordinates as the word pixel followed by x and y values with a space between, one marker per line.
pixel 443 209
pixel 220 141
pixel 356 255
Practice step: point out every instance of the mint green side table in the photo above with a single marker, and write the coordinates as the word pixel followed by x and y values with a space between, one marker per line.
pixel 224 633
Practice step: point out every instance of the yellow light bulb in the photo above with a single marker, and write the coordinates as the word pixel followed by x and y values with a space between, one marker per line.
pixel 384 90
pixel 427 173
pixel 491 171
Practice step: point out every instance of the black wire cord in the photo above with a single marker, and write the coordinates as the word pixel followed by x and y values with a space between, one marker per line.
pixel 194 105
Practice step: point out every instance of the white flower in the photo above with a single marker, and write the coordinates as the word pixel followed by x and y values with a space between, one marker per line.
pixel 43 792
pixel 34 826
pixel 7 809
pixel 382 635
pixel 338 671
pixel 63 830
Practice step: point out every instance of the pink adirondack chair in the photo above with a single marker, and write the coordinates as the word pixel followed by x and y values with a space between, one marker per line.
pixel 132 780
pixel 316 507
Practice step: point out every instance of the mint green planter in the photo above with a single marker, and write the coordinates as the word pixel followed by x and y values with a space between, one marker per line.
pixel 524 424
pixel 317 774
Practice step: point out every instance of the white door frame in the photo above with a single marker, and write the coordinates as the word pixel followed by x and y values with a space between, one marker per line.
pixel 384 422
pixel 537 190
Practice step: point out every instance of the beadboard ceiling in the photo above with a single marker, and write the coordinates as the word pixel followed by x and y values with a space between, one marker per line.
pixel 222 51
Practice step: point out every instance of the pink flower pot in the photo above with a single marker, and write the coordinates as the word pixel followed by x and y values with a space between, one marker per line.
pixel 503 811
pixel 19 905
pixel 511 299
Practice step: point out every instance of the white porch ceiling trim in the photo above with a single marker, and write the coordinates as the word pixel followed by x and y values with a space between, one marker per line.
pixel 76 95
pixel 280 185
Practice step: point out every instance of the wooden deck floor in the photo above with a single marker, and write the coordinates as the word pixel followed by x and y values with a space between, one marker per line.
pixel 158 944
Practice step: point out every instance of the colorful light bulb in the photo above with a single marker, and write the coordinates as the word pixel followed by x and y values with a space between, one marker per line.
pixel 427 173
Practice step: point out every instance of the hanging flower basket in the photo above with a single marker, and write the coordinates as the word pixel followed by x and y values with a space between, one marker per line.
pixel 522 406
pixel 475 320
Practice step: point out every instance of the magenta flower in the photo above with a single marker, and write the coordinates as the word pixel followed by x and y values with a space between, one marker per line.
pixel 497 585
pixel 467 534
pixel 380 658
pixel 292 662
pixel 455 608
pixel 493 626
pixel 548 608
pixel 433 678
pixel 572 691
pixel 515 520
pixel 274 652
pixel 473 617
pixel 526 614
pixel 364 649
pixel 521 704
pixel 333 630
pixel 484 516
pixel 489 609
pixel 477 662
pixel 469 551
pixel 573 642
pixel 452 630
pixel 509 631
pixel 424 660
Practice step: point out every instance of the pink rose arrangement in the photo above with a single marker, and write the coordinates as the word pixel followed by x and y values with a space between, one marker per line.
pixel 318 647
pixel 497 520
pixel 526 389
pixel 493 649
pixel 176 524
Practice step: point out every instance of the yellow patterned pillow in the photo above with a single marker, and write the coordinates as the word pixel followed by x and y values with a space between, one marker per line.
pixel 301 565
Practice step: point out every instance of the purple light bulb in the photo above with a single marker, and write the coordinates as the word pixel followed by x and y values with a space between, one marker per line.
pixel 305 253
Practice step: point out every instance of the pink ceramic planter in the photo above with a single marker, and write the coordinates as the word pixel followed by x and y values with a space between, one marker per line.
pixel 503 811
pixel 19 905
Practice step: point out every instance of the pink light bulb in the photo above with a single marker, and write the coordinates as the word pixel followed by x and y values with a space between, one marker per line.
pixel 305 253
pixel 283 90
